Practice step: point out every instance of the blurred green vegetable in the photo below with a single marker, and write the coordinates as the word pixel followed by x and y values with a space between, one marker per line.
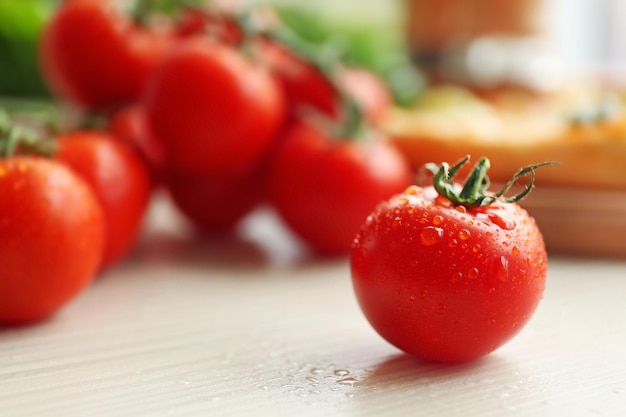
pixel 21 23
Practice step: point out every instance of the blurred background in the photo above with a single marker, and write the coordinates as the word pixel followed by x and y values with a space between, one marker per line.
pixel 534 41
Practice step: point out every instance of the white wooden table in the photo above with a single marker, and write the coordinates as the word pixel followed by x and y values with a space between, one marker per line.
pixel 255 328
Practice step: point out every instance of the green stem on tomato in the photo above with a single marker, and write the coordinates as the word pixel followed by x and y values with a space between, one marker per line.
pixel 17 139
pixel 474 193
pixel 326 60
pixel 142 10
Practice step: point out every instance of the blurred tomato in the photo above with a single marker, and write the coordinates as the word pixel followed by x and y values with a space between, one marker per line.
pixel 119 180
pixel 130 124
pixel 215 111
pixel 95 56
pixel 324 188
pixel 52 237
pixel 216 203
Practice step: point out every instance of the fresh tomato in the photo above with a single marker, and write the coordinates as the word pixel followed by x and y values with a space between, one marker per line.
pixel 368 90
pixel 308 85
pixel 304 84
pixel 215 111
pixel 120 181
pixel 130 124
pixel 324 188
pixel 216 23
pixel 95 56
pixel 214 204
pixel 449 275
pixel 52 237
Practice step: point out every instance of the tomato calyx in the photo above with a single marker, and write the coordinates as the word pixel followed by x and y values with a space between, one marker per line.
pixel 474 192
pixel 17 139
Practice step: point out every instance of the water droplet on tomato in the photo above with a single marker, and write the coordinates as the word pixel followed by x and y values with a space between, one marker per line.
pixel 502 269
pixel 504 222
pixel 461 209
pixel 396 224
pixel 403 201
pixel 411 191
pixel 472 273
pixel 476 248
pixel 437 220
pixel 431 235
pixel 491 322
pixel 443 201
pixel 464 234
pixel 347 381
pixel 515 251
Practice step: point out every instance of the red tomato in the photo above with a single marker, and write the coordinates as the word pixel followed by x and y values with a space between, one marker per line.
pixel 324 188
pixel 96 57
pixel 216 203
pixel 120 181
pixel 52 238
pixel 219 25
pixel 130 124
pixel 215 111
pixel 305 85
pixel 368 90
pixel 447 282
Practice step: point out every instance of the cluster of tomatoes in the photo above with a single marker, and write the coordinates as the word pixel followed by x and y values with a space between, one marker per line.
pixel 231 110
pixel 223 109
pixel 70 208
pixel 226 110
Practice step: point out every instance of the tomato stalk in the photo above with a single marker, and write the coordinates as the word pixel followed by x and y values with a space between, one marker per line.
pixel 142 10
pixel 474 192
pixel 254 25
pixel 351 123
pixel 15 139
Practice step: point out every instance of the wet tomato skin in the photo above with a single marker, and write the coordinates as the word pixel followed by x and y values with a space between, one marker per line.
pixel 51 238
pixel 447 283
